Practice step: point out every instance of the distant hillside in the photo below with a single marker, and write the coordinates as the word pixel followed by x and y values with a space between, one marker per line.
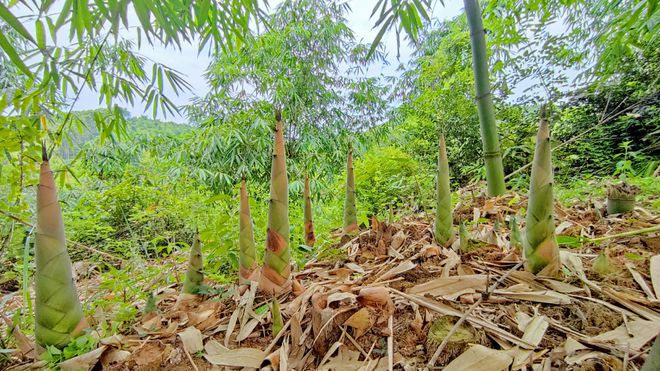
pixel 135 127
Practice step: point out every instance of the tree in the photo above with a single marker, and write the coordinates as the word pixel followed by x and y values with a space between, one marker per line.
pixel 307 64
pixel 44 75
pixel 523 46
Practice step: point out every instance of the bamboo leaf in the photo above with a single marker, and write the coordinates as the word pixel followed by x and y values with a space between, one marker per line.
pixel 41 34
pixel 13 55
pixel 14 23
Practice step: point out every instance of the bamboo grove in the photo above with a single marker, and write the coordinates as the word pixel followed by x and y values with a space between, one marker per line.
pixel 58 312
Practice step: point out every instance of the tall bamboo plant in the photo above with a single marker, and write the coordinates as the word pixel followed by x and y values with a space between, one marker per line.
pixel 195 273
pixel 58 312
pixel 485 107
pixel 277 266
pixel 310 238
pixel 443 215
pixel 350 209
pixel 247 255
pixel 540 245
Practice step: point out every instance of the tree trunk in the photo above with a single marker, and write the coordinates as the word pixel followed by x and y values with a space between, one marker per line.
pixel 58 313
pixel 277 259
pixel 310 239
pixel 195 273
pixel 350 211
pixel 489 137
pixel 540 245
pixel 443 215
pixel 247 254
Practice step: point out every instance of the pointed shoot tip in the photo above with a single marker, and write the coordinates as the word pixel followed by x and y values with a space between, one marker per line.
pixel 44 152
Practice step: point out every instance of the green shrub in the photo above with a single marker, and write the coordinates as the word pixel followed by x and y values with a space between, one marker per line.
pixel 390 178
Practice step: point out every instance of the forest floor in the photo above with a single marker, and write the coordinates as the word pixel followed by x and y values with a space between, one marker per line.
pixel 389 296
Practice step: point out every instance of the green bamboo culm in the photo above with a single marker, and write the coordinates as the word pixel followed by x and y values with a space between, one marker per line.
pixel 350 210
pixel 485 107
pixel 540 245
pixel 58 312
pixel 310 238
pixel 247 254
pixel 276 271
pixel 195 272
pixel 443 215
pixel 514 236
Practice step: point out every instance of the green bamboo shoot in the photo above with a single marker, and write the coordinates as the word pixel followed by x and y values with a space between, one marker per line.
pixel 277 259
pixel 247 255
pixel 350 211
pixel 485 107
pixel 601 264
pixel 195 273
pixel 276 314
pixel 540 245
pixel 310 238
pixel 443 214
pixel 58 312
pixel 463 238
pixel 514 236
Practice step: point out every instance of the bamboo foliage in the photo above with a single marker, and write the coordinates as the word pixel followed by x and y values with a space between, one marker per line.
pixel 247 255
pixel 277 266
pixel 443 214
pixel 310 238
pixel 350 210
pixel 195 272
pixel 58 312
pixel 540 246
pixel 485 107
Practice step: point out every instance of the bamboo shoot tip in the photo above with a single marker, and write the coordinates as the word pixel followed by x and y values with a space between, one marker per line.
pixel 44 152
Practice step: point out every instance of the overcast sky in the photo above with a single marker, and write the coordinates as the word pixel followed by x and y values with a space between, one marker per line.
pixel 192 66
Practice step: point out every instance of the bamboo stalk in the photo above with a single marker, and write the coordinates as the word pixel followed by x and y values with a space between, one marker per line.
pixel 485 107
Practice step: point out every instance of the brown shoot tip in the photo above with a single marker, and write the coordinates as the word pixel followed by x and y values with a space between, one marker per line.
pixel 44 152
